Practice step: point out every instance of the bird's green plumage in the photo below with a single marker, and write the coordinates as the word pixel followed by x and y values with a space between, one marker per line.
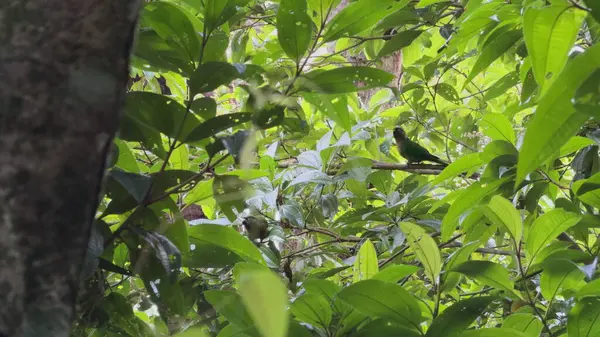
pixel 411 151
pixel 257 227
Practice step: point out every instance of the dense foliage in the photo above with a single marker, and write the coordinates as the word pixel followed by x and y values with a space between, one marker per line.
pixel 284 111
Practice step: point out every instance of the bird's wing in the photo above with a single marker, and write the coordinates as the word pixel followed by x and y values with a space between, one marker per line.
pixel 416 152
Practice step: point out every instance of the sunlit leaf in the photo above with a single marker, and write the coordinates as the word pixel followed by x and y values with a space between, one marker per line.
pixel 425 249
pixel 456 318
pixel 265 297
pixel 488 273
pixel 365 265
pixel 342 80
pixel 549 34
pixel 294 28
pixel 555 119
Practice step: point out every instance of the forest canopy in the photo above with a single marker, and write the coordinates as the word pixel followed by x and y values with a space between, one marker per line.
pixel 256 187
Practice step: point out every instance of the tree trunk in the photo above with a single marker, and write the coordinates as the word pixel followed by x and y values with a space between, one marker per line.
pixel 63 72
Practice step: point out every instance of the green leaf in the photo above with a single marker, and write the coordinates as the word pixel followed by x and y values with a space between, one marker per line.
pixel 502 213
pixel 383 299
pixel 342 80
pixel 265 297
pixel 555 119
pixel 575 144
pixel 294 28
pixel 498 127
pixel 155 54
pixel 559 275
pixel 425 249
pixel 292 211
pixel 211 75
pixel 224 237
pixel 501 86
pixel 382 327
pixel 547 227
pixel 488 273
pixel 450 279
pixel 399 41
pixel 584 318
pixel 192 332
pixel 365 265
pixel 120 314
pixel 459 316
pixel 595 7
pixel 359 16
pixel 466 163
pixel 136 185
pixel 230 305
pixel 173 25
pixel 588 190
pixel 126 160
pixel 493 332
pixel 154 112
pixel 312 309
pixel 312 176
pixel 217 124
pixel 591 289
pixel 395 272
pixel 217 12
pixel 550 33
pixel 497 44
pixel 472 196
pixel 527 323
pixel 205 107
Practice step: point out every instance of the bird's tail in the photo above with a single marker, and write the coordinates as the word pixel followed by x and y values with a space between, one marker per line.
pixel 436 159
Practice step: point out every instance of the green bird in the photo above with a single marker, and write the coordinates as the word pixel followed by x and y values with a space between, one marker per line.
pixel 411 151
pixel 257 227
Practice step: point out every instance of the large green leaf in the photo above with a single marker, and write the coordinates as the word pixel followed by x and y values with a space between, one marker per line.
pixel 312 309
pixel 226 238
pixel 265 297
pixel 399 41
pixel 294 28
pixel 211 75
pixel 342 80
pixel 173 25
pixel 217 124
pixel 425 249
pixel 457 318
pixel 555 119
pixel 154 112
pixel 547 227
pixel 527 323
pixel 591 289
pixel 383 299
pixel 121 315
pixel 549 35
pixel 359 16
pixel 499 42
pixel 501 212
pixel 466 163
pixel 365 265
pixel 588 190
pixel 584 318
pixel 498 127
pixel 217 12
pixel 230 305
pixel 559 275
pixel 395 272
pixel 472 196
pixel 493 332
pixel 488 273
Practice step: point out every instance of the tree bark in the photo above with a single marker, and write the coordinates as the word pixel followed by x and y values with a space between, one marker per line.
pixel 63 72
